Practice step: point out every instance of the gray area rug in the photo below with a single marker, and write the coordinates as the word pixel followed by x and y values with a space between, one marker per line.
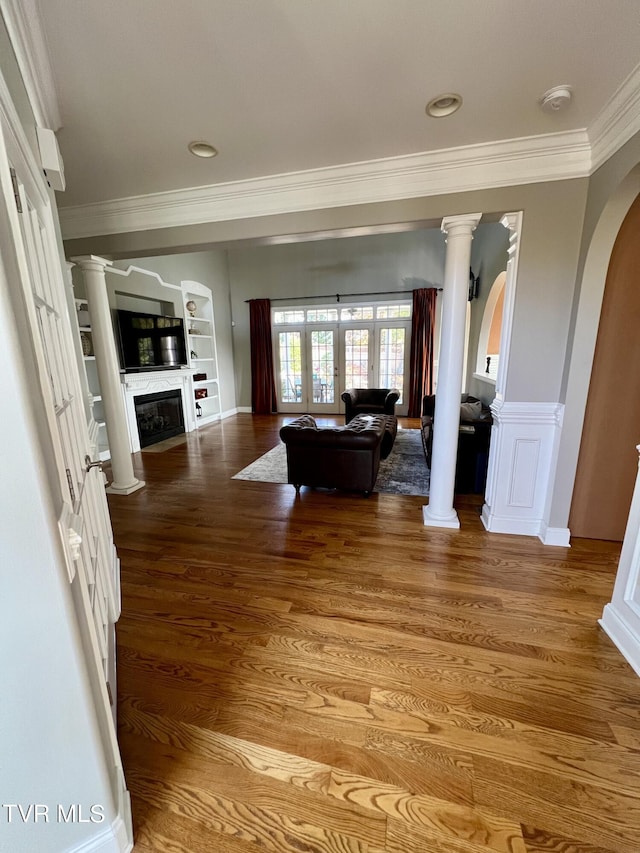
pixel 403 472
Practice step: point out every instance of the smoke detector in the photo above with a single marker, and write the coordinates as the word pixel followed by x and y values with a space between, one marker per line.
pixel 556 99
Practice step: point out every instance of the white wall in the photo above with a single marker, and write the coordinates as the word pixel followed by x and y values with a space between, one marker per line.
pixel 49 743
pixel 51 751
pixel 377 263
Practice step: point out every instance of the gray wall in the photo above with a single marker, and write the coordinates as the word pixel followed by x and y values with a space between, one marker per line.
pixel 377 263
pixel 549 250
pixel 611 192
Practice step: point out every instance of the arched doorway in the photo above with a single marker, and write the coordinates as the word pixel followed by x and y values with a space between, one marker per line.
pixel 607 463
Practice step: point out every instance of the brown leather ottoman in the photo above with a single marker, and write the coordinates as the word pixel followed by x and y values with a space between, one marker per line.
pixel 390 430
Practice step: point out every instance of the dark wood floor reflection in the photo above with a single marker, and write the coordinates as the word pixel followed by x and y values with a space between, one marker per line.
pixel 324 674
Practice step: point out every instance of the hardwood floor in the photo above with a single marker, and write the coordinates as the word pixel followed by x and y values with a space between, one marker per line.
pixel 323 673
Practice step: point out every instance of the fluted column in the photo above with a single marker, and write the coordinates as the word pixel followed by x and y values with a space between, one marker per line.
pixel 107 364
pixel 459 231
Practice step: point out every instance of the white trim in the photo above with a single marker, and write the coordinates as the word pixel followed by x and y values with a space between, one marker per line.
pixel 559 536
pixel 26 33
pixel 244 410
pixel 617 121
pixel 229 413
pixel 127 272
pixel 621 633
pixel 484 377
pixel 114 839
pixel 507 162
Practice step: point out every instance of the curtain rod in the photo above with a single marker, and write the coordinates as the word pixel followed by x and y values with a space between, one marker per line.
pixel 338 296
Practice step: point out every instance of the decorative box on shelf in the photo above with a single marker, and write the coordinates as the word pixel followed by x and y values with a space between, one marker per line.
pixel 199 377
pixel 200 393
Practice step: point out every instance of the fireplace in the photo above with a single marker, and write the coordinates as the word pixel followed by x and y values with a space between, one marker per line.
pixel 158 416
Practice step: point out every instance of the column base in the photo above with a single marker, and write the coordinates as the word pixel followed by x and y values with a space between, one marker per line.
pixel 124 490
pixel 453 522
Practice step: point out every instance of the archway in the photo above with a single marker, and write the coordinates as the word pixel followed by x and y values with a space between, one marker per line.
pixel 606 471
pixel 587 321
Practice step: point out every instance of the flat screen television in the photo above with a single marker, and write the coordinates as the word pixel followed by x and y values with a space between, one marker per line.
pixel 149 342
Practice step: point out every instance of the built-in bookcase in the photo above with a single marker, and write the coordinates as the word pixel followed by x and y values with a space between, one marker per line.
pixel 203 357
pixel 93 383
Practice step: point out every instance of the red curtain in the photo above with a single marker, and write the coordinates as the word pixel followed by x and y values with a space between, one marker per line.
pixel 421 363
pixel 263 386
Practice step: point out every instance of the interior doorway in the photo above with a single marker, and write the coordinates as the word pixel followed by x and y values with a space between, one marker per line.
pixel 607 464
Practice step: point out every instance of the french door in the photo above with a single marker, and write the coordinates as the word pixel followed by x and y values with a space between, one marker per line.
pixel 307 369
pixel 315 363
pixel 76 487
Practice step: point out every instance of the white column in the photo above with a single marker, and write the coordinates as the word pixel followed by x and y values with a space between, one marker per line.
pixel 107 364
pixel 459 231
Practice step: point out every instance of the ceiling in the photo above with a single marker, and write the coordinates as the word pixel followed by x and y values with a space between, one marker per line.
pixel 287 85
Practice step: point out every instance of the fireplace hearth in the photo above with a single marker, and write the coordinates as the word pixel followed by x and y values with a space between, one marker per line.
pixel 159 416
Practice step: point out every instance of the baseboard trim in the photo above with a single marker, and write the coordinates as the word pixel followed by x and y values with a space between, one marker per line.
pixel 622 636
pixel 229 413
pixel 244 410
pixel 514 526
pixel 114 839
pixel 559 536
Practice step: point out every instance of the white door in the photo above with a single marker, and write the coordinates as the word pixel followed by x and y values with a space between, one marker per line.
pixel 392 359
pixel 76 487
pixel 290 369
pixel 320 385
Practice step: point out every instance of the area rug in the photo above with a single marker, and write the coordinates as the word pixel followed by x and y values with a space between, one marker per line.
pixel 403 472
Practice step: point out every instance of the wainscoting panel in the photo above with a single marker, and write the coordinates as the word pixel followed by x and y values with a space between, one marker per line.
pixel 524 443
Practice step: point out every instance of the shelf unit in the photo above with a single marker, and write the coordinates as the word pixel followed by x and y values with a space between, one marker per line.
pixel 93 383
pixel 203 357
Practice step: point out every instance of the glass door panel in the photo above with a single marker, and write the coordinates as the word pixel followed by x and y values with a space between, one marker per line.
pixel 357 360
pixel 289 371
pixel 393 361
pixel 323 363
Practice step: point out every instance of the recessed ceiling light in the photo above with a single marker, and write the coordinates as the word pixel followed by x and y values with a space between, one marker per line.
pixel 202 149
pixel 444 105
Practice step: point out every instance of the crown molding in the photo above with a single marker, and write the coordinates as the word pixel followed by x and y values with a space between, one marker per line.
pixel 533 159
pixel 617 122
pixel 22 19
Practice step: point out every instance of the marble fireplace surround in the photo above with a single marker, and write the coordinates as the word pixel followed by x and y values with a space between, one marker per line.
pixel 153 382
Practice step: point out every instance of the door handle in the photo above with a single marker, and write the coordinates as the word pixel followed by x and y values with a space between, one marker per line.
pixel 88 464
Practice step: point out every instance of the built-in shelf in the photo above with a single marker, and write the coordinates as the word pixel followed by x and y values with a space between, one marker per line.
pixel 206 409
pixel 93 383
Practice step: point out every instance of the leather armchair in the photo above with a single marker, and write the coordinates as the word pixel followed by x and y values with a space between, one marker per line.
pixel 369 401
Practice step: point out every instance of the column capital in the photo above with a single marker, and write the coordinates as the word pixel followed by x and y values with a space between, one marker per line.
pixel 511 221
pixel 463 224
pixel 91 262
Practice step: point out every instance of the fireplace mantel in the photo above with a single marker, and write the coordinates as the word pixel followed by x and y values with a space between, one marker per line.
pixel 152 382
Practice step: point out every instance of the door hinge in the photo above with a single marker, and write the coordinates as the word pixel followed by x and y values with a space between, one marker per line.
pixel 16 189
pixel 72 491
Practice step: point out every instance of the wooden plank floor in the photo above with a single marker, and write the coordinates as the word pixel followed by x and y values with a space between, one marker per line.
pixel 323 674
